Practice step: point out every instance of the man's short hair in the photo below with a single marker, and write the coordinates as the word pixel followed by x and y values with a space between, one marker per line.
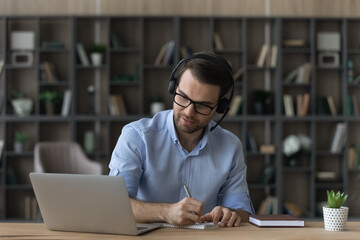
pixel 217 72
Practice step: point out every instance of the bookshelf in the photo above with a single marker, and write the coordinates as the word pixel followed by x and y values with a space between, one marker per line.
pixel 128 69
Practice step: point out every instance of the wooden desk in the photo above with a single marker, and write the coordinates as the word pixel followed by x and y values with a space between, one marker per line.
pixel 313 230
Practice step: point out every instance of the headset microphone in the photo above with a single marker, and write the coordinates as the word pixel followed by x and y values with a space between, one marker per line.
pixel 222 117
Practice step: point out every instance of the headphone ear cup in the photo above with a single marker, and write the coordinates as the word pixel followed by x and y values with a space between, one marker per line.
pixel 222 105
pixel 172 86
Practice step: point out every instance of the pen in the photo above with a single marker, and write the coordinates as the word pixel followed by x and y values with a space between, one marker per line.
pixel 187 190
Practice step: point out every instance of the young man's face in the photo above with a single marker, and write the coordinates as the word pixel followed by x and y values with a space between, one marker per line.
pixel 187 120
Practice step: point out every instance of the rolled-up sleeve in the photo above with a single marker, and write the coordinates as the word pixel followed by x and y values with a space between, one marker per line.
pixel 126 159
pixel 234 192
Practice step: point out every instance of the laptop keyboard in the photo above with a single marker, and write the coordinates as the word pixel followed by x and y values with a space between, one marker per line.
pixel 141 228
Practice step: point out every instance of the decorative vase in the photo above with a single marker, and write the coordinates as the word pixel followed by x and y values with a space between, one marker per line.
pixel 157 107
pixel 22 106
pixel 96 59
pixel 335 218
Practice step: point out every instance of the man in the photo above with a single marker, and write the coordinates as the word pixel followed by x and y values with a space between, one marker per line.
pixel 178 147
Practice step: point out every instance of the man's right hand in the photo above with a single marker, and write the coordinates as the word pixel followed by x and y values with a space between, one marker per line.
pixel 185 212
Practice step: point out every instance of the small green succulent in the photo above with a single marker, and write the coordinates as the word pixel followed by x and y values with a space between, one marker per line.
pixel 335 200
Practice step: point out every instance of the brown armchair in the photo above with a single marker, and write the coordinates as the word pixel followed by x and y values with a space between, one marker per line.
pixel 63 157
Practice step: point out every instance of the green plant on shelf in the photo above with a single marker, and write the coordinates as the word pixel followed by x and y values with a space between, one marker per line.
pixel 49 96
pixel 335 200
pixel 98 48
pixel 21 137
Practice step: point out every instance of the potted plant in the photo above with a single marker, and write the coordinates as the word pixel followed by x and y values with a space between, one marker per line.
pixel 22 105
pixel 20 139
pixel 157 105
pixel 335 215
pixel 96 54
pixel 50 99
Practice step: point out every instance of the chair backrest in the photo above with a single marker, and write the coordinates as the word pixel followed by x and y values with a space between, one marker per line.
pixel 63 157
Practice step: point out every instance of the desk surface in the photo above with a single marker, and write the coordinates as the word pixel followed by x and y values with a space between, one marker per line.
pixel 312 230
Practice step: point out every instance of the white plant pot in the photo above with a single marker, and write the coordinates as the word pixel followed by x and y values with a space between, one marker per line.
pixel 96 59
pixel 156 107
pixel 22 106
pixel 18 147
pixel 335 218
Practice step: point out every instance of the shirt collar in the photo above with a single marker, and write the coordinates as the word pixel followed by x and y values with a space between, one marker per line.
pixel 171 129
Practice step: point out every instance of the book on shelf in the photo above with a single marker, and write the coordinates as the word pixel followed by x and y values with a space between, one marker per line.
pixel 31 208
pixel 267 174
pixel 2 143
pixel 295 42
pixel 293 209
pixel 2 64
pixel 185 52
pixel 332 106
pixel 115 40
pixel 288 105
pixel 274 55
pixel 161 54
pixel 11 177
pixel 355 105
pixel 338 139
pixel 291 76
pixel 305 104
pixel 282 220
pixel 82 55
pixel 117 105
pixel 238 74
pixel 267 148
pixel 349 105
pixel 169 54
pixel 48 73
pixel 218 42
pixel 65 109
pixel 235 105
pixel 326 176
pixel 251 143
pixel 299 102
pixel 261 56
pixel 353 157
pixel 322 106
pixel 303 76
pixel 50 45
pixel 299 75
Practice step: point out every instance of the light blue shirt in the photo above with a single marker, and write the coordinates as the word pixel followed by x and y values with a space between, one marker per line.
pixel 154 165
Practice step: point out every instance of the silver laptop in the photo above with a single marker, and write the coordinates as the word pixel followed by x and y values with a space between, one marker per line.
pixel 86 203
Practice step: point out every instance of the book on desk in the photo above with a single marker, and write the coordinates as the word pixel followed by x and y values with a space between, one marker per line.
pixel 282 220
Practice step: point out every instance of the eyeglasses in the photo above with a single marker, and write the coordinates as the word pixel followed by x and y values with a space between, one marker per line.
pixel 184 102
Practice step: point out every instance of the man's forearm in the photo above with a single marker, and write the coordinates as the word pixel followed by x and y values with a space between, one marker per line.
pixel 145 212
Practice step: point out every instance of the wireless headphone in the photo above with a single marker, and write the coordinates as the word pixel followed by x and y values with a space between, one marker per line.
pixel 224 103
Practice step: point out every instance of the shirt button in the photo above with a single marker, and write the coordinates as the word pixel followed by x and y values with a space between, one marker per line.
pixel 116 172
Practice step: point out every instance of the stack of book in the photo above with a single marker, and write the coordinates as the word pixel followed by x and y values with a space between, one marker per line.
pixel 302 105
pixel 299 75
pixel 166 53
pixel 267 56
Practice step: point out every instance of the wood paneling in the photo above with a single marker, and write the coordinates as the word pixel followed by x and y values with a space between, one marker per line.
pixel 294 8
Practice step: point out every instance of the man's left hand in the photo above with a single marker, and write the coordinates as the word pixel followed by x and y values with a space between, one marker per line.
pixel 225 216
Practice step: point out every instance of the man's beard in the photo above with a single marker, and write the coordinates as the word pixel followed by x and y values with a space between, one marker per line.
pixel 187 129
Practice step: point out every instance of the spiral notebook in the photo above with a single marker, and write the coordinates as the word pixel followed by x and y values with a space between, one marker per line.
pixel 200 226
